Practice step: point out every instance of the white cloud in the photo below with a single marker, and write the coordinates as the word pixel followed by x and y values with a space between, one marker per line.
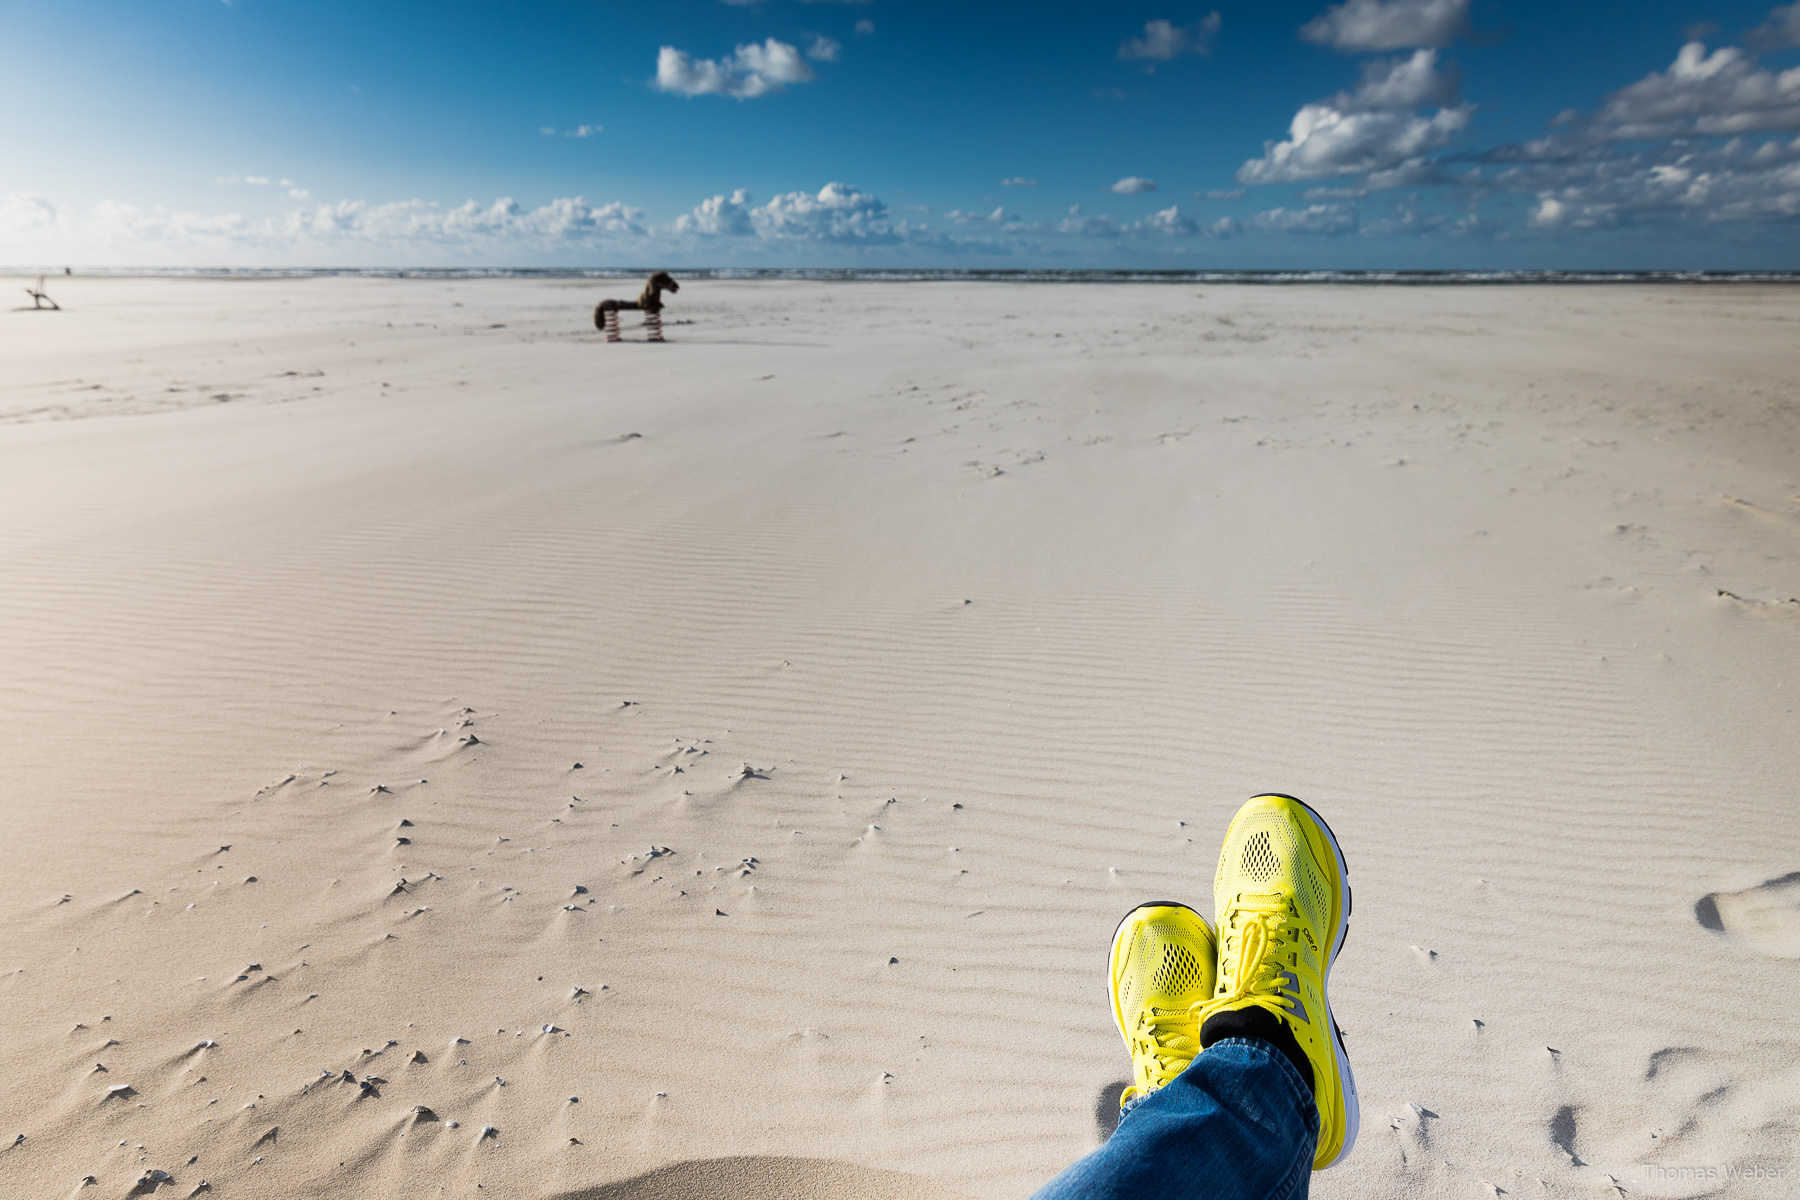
pixel 1735 182
pixel 751 70
pixel 836 213
pixel 1323 219
pixel 1685 144
pixel 1324 142
pixel 25 213
pixel 998 217
pixel 1082 225
pixel 547 130
pixel 1373 128
pixel 583 131
pixel 32 227
pixel 1549 212
pixel 1722 93
pixel 1171 221
pixel 824 49
pixel 1779 32
pixel 719 216
pixel 865 27
pixel 1220 194
pixel 294 191
pixel 1018 181
pixel 1133 185
pixel 1358 25
pixel 1394 83
pixel 1164 40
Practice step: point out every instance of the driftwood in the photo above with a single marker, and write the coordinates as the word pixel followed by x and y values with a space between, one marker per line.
pixel 40 299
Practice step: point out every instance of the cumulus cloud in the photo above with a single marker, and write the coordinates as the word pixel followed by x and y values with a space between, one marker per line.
pixel 1359 25
pixel 26 212
pixel 1376 127
pixel 1412 82
pixel 1734 182
pixel 1133 185
pixel 1220 194
pixel 121 232
pixel 1018 181
pixel 1165 40
pixel 1780 32
pixel 1324 142
pixel 294 191
pixel 836 213
pixel 719 216
pixel 1701 142
pixel 753 69
pixel 997 217
pixel 1170 221
pixel 1082 225
pixel 1722 93
pixel 1321 219
pixel 824 49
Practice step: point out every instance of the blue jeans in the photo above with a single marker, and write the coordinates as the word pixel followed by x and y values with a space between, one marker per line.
pixel 1238 1124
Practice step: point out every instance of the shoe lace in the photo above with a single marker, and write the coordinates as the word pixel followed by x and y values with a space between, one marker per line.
pixel 1157 1030
pixel 1256 977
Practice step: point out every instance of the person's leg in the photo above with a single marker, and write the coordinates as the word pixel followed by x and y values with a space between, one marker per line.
pixel 1238 1124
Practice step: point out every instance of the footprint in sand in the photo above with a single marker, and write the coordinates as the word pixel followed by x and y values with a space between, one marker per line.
pixel 1766 918
pixel 1563 1130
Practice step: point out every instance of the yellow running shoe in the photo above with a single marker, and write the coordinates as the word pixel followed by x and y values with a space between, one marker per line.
pixel 1282 899
pixel 1162 972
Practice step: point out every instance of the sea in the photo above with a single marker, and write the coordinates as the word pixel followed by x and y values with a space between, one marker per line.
pixel 1402 278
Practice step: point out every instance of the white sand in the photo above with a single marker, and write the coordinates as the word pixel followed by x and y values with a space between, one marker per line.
pixel 1092 563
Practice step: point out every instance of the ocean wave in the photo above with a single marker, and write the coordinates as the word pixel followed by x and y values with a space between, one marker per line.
pixel 1412 278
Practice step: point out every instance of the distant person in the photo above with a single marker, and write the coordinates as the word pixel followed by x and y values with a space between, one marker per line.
pixel 1240 1084
pixel 649 301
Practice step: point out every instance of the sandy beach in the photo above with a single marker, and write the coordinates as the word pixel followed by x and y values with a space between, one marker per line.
pixel 448 755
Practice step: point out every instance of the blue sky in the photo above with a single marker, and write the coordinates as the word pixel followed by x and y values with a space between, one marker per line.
pixel 1366 133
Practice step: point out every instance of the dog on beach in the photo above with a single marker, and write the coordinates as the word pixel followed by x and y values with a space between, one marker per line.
pixel 649 302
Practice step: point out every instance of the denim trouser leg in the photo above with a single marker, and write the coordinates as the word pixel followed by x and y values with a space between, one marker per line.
pixel 1238 1124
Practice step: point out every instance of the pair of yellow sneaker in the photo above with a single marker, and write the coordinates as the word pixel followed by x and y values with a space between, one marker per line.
pixel 1282 901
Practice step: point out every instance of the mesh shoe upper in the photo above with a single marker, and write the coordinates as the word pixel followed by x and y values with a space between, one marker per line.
pixel 1282 905
pixel 1161 970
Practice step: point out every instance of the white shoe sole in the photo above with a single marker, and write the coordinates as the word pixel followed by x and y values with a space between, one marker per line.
pixel 1352 1110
